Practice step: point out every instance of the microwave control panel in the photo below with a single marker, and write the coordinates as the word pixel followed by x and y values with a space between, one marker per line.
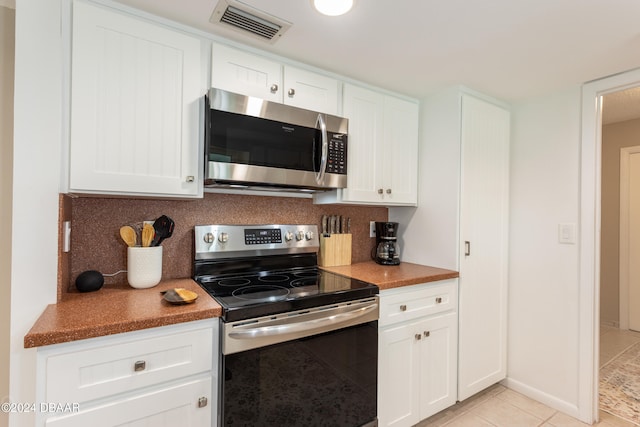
pixel 337 154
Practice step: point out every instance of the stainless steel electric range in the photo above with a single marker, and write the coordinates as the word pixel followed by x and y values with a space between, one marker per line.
pixel 298 344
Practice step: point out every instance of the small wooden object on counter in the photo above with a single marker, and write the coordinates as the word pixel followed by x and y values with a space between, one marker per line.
pixel 335 249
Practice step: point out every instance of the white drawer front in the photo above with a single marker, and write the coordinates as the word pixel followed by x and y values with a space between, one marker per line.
pixel 103 370
pixel 412 302
pixel 176 405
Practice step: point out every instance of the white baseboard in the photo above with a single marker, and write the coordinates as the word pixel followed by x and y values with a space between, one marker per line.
pixel 611 323
pixel 542 397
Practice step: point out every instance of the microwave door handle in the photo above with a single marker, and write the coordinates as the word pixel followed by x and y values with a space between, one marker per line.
pixel 325 149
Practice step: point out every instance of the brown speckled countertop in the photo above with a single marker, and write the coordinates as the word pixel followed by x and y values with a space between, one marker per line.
pixel 393 276
pixel 116 309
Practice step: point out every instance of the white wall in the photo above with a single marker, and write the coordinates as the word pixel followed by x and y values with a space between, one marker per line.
pixel 543 352
pixel 428 234
pixel 544 294
pixel 7 32
pixel 37 137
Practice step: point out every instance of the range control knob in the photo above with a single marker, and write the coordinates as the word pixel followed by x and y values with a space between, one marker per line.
pixel 223 237
pixel 300 235
pixel 288 236
pixel 309 235
pixel 208 238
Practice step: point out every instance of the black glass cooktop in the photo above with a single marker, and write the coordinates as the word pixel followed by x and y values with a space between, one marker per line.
pixel 243 296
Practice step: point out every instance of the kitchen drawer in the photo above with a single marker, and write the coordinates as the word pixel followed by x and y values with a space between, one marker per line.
pixel 103 366
pixel 182 404
pixel 411 302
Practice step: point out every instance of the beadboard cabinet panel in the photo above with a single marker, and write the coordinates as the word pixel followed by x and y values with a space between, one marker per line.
pixel 135 106
pixel 484 227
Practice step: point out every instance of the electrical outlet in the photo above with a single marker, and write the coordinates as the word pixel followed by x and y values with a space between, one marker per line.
pixel 372 229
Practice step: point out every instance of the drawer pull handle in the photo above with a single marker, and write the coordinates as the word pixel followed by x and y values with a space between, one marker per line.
pixel 202 402
pixel 418 337
pixel 427 334
pixel 403 307
pixel 439 300
pixel 140 365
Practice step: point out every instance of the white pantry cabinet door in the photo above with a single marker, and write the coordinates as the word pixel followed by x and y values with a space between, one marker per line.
pixel 136 91
pixel 484 226
pixel 241 72
pixel 310 91
pixel 399 164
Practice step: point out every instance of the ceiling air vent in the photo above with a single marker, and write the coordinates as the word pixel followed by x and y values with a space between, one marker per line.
pixel 242 17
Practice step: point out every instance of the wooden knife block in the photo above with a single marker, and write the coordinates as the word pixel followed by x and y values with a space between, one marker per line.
pixel 335 249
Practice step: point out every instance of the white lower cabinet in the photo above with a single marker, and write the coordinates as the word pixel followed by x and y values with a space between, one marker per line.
pixel 168 406
pixel 160 376
pixel 417 352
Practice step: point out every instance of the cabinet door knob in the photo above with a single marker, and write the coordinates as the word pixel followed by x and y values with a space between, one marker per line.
pixel 439 300
pixel 274 88
pixel 388 191
pixel 426 334
pixel 291 92
pixel 418 337
pixel 380 191
pixel 403 307
pixel 202 402
pixel 140 365
pixel 190 178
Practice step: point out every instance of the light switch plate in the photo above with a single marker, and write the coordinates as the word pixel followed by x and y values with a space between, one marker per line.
pixel 567 233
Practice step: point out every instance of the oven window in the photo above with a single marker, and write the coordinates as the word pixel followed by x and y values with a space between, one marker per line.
pixel 322 380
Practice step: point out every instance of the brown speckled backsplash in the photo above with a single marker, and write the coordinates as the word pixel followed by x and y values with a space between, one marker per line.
pixel 96 244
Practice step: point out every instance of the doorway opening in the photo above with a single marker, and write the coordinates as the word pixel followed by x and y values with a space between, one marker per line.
pixel 591 231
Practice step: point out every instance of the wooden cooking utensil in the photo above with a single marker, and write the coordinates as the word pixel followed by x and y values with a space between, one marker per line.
pixel 148 232
pixel 128 234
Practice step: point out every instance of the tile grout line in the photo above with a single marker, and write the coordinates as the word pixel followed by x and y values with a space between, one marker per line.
pixel 549 419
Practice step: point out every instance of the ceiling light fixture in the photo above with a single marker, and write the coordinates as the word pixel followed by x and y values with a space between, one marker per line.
pixel 333 7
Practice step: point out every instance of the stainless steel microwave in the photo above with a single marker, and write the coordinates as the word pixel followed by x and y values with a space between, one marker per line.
pixel 251 143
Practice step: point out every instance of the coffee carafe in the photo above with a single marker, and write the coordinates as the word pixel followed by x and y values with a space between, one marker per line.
pixel 387 251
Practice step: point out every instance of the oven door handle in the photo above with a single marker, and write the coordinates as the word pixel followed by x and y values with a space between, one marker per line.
pixel 323 324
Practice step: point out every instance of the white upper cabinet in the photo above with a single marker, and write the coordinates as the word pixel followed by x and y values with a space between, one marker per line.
pixel 136 91
pixel 248 74
pixel 310 91
pixel 382 150
pixel 237 71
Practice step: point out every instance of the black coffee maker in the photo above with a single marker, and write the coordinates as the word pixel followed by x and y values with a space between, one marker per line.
pixel 386 251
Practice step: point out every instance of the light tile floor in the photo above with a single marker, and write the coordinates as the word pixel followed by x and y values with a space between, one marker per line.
pixel 499 406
